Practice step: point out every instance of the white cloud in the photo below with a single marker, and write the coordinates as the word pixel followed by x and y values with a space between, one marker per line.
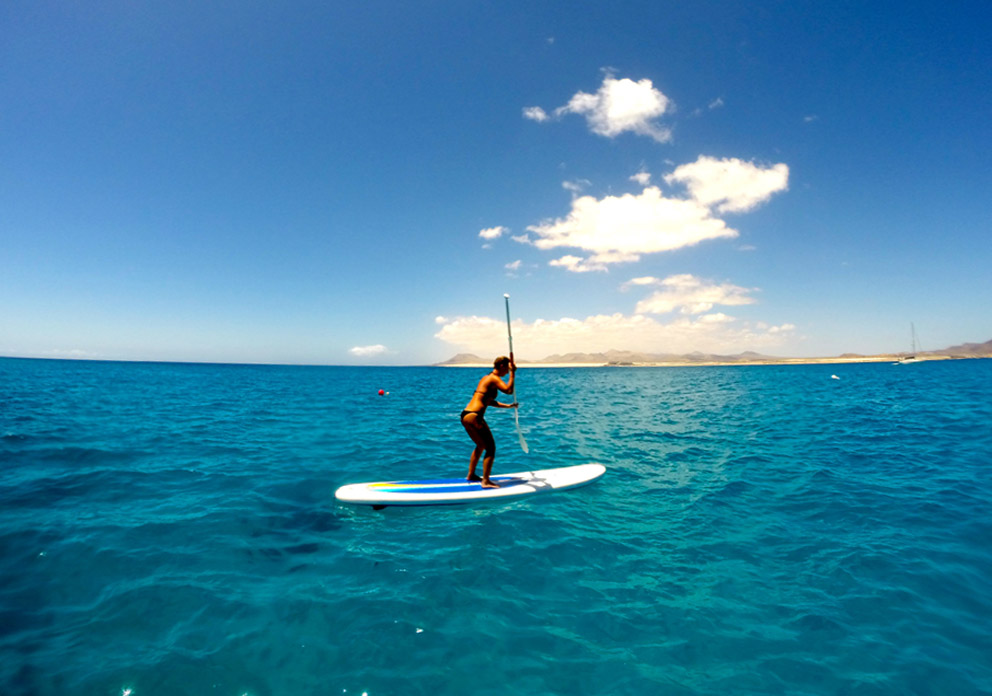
pixel 619 106
pixel 370 351
pixel 731 185
pixel 576 187
pixel 577 264
pixel 513 265
pixel 621 228
pixel 689 295
pixel 635 282
pixel 475 334
pixel 716 318
pixel 642 177
pixel 616 229
pixel 493 232
pixel 536 113
pixel 716 333
pixel 716 103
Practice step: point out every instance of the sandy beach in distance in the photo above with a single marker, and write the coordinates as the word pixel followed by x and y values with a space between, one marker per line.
pixel 715 363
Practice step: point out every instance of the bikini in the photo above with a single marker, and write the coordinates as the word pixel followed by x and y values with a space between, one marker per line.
pixel 466 411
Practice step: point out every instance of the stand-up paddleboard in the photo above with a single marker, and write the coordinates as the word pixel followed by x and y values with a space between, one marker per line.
pixel 460 492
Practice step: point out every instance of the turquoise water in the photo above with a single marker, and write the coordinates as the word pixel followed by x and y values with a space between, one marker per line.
pixel 170 529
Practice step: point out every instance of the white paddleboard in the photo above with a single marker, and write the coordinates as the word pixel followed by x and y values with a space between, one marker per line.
pixel 459 491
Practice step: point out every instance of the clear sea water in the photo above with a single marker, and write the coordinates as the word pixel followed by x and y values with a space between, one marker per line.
pixel 171 529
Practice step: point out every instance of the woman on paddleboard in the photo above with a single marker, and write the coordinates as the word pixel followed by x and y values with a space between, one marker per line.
pixel 474 423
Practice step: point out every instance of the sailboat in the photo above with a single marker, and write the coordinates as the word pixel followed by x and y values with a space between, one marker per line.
pixel 913 347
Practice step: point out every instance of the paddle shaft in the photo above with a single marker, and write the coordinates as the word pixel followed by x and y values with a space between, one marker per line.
pixel 516 412
pixel 509 337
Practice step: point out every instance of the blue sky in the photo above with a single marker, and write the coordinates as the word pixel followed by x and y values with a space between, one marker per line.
pixel 359 183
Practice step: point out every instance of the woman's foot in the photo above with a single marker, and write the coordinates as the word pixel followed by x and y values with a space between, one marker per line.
pixel 487 483
pixel 473 477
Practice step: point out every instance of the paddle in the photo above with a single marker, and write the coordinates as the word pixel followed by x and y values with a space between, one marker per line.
pixel 516 411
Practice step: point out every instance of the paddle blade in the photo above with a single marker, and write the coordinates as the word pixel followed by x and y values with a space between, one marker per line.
pixel 523 442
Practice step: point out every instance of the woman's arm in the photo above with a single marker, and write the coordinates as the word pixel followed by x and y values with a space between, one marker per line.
pixel 507 386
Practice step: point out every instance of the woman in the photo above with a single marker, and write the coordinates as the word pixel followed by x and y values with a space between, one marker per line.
pixel 474 423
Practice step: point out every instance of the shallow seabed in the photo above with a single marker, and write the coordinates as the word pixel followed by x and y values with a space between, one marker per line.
pixel 171 529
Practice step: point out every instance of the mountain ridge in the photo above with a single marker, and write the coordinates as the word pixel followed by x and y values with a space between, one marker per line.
pixel 621 358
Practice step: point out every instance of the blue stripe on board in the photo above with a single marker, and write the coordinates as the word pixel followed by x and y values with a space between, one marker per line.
pixel 465 487
pixel 422 482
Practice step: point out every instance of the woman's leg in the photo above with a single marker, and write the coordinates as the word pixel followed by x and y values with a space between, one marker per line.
pixel 478 430
pixel 487 465
pixel 473 460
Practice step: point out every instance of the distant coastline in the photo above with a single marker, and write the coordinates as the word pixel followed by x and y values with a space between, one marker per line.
pixel 615 358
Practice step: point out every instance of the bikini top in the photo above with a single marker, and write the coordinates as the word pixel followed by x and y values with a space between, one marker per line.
pixel 488 395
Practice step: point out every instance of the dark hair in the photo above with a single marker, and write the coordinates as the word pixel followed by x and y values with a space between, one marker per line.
pixel 500 361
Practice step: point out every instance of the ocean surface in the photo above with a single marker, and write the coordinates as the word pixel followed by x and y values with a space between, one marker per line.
pixel 170 529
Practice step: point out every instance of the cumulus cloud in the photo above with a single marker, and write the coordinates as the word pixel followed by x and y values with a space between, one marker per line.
pixel 577 264
pixel 491 233
pixel 784 328
pixel 473 333
pixel 730 185
pixel 622 228
pixel 619 106
pixel 369 351
pixel 716 333
pixel 643 280
pixel 687 294
pixel 642 177
pixel 716 318
pixel 617 229
pixel 536 113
